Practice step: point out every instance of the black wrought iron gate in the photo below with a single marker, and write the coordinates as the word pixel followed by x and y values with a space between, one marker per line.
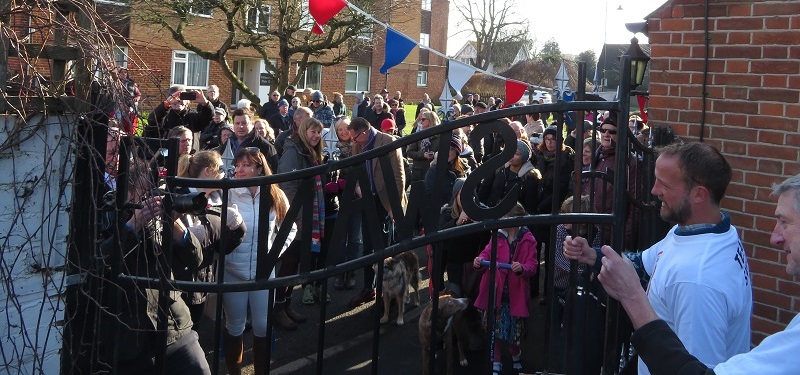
pixel 426 211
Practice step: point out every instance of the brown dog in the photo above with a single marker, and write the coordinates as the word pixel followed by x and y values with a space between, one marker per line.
pixel 399 273
pixel 448 313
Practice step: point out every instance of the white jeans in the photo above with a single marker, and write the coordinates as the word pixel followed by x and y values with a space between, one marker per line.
pixel 235 306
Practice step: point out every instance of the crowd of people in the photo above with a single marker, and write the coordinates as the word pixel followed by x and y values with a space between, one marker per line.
pixel 300 130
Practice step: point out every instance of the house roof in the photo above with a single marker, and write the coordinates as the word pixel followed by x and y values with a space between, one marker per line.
pixel 504 53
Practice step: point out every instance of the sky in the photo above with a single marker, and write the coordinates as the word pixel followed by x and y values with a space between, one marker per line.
pixel 583 23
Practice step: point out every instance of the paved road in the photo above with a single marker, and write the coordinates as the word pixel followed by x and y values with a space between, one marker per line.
pixel 348 340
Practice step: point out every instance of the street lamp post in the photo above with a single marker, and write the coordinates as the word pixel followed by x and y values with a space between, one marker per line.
pixel 639 61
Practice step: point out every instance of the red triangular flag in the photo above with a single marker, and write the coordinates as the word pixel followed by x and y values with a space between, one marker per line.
pixel 514 91
pixel 324 10
pixel 642 101
pixel 317 29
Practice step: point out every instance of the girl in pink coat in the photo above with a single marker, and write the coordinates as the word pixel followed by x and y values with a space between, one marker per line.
pixel 516 249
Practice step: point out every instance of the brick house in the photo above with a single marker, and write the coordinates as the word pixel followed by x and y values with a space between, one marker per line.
pixel 751 113
pixel 154 59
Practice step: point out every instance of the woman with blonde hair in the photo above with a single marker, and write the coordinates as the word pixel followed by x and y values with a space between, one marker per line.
pixel 339 108
pixel 303 149
pixel 240 265
pixel 422 152
pixel 263 129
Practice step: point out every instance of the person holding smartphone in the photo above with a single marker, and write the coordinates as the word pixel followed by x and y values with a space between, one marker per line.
pixel 175 111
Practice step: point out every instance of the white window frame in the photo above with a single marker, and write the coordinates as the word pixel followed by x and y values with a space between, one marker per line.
pixel 304 81
pixel 185 57
pixel 422 78
pixel 306 21
pixel 360 71
pixel 260 12
pixel 425 39
pixel 122 3
pixel 426 5
pixel 121 56
pixel 199 13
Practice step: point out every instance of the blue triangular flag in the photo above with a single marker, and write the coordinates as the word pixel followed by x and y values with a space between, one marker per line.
pixel 398 46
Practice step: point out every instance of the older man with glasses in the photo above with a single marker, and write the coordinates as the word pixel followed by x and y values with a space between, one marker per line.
pixel 366 138
pixel 271 106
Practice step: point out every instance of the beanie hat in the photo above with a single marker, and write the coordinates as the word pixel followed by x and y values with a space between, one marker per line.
pixel 291 87
pixel 221 111
pixel 226 127
pixel 455 142
pixel 550 130
pixel 282 102
pixel 317 96
pixel 524 149
pixel 387 124
pixel 466 108
pixel 609 120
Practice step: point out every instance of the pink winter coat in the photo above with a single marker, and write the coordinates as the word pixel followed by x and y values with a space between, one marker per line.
pixel 518 284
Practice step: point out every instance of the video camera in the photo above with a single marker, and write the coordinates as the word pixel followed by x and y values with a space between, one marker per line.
pixel 191 203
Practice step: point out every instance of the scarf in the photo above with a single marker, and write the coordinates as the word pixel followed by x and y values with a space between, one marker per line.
pixel 318 217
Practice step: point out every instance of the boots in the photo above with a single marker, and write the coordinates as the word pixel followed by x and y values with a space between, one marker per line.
pixel 260 347
pixel 281 319
pixel 293 315
pixel 233 353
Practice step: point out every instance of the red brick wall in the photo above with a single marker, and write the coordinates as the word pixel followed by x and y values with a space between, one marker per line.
pixel 151 60
pixel 752 113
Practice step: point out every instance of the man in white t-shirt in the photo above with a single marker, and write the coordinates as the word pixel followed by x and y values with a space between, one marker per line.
pixel 697 278
pixel 660 347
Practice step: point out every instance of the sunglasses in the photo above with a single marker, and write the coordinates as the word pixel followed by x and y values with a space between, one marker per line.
pixel 317 101
pixel 609 131
pixel 275 96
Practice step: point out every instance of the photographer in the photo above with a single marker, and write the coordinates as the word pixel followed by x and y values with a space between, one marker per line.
pixel 133 309
pixel 207 227
pixel 175 111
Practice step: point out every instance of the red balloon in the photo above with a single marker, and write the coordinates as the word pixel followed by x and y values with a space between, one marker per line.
pixel 324 10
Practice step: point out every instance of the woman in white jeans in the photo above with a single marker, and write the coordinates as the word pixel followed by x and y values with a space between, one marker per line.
pixel 240 265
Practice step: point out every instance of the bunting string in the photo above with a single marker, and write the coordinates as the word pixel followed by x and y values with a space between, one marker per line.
pixel 401 46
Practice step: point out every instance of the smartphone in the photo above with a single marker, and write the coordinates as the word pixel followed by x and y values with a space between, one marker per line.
pixel 188 95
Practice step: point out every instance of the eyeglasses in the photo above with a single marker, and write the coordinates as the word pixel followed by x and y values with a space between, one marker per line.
pixel 275 95
pixel 317 101
pixel 549 139
pixel 609 131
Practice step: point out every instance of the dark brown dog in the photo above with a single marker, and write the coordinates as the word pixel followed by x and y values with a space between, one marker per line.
pixel 448 314
pixel 399 273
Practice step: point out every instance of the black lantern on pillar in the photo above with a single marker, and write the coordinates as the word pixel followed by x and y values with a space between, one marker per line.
pixel 639 61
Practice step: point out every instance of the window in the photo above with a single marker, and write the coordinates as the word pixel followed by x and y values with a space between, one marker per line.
pixel 306 21
pixel 121 56
pixel 201 8
pixel 189 70
pixel 426 5
pixel 258 18
pixel 422 78
pixel 115 2
pixel 312 77
pixel 425 39
pixel 357 78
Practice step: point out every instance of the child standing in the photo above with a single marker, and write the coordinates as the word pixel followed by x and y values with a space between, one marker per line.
pixel 516 249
